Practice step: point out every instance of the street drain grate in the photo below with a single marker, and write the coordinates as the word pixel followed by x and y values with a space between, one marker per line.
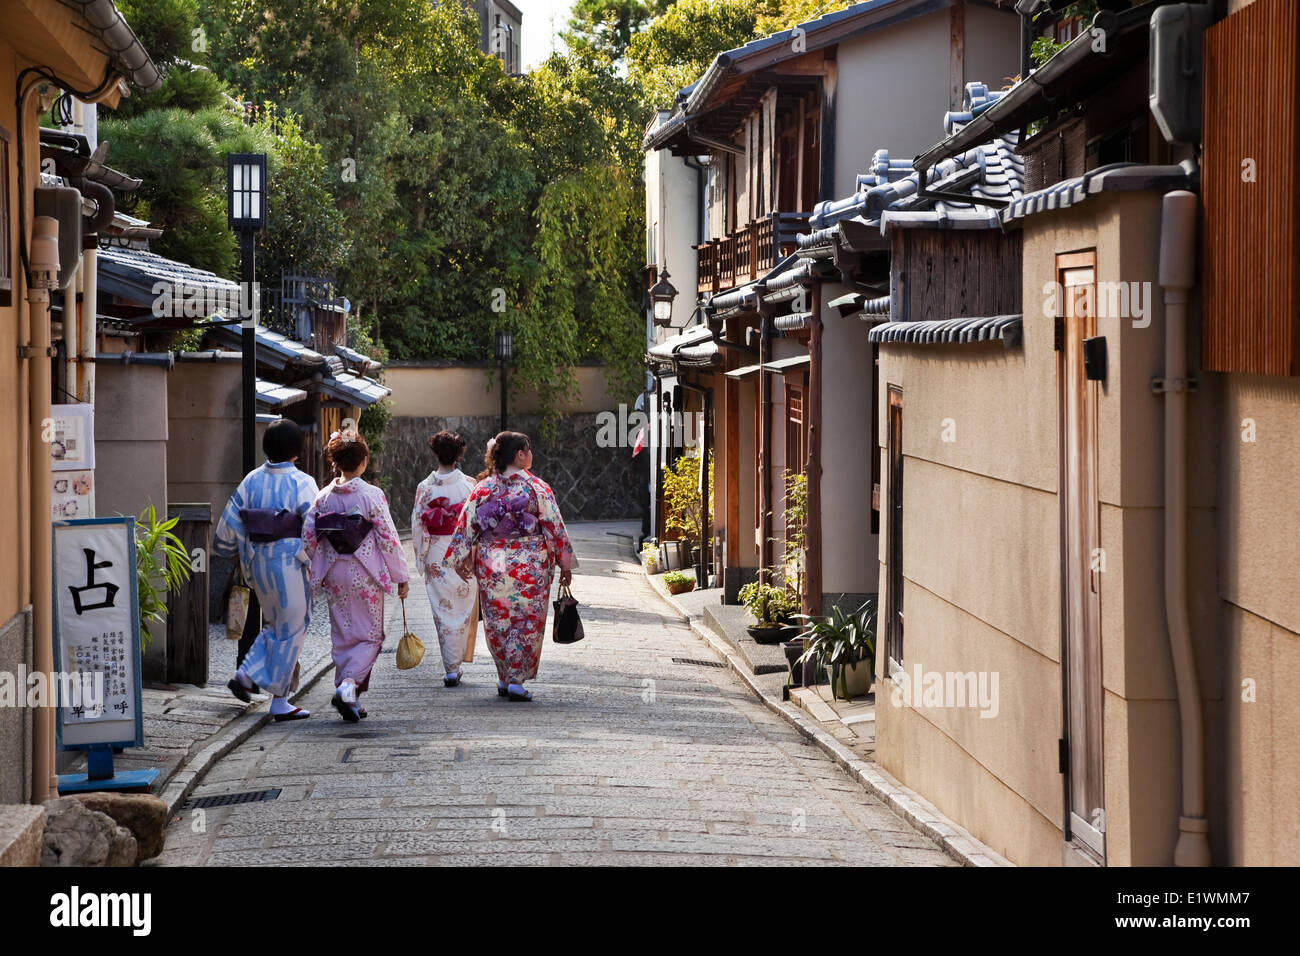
pixel 231 799
pixel 691 660
pixel 365 735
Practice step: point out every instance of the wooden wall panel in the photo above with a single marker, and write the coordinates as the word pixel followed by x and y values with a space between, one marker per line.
pixel 948 273
pixel 1249 185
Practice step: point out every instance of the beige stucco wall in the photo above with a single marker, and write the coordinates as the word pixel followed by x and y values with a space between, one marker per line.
pixel 671 205
pixel 205 444
pixel 908 63
pixel 990 497
pixel 849 548
pixel 461 391
pixel 1258 528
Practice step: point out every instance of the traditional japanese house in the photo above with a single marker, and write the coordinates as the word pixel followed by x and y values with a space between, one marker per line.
pixel 782 124
pixel 1094 660
pixel 45 47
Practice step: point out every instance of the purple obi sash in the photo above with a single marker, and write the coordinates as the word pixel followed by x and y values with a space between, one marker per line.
pixel 507 517
pixel 265 524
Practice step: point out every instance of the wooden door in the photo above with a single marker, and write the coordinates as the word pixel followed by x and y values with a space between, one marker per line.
pixel 1081 561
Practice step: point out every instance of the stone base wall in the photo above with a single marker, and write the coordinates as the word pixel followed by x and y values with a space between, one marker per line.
pixel 591 483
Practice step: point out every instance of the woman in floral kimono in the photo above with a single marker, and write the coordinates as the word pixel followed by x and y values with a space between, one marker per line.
pixel 356 558
pixel 512 518
pixel 438 502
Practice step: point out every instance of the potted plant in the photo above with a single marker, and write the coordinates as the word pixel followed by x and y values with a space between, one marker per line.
pixel 679 582
pixel 772 608
pixel 650 558
pixel 846 644
pixel 682 510
pixel 162 565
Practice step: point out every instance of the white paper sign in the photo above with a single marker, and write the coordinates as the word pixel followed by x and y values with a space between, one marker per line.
pixel 72 438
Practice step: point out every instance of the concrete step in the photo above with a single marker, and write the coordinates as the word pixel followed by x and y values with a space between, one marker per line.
pixel 729 621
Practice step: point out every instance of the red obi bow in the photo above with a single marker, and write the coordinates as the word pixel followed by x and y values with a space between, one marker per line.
pixel 440 516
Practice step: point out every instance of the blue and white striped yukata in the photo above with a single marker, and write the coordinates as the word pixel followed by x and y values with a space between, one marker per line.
pixel 276 570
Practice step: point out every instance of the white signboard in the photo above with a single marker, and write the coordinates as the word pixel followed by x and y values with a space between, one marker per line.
pixel 97 632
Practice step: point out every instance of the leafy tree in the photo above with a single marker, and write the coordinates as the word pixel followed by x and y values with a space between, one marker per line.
pixel 607 25
pixel 678 46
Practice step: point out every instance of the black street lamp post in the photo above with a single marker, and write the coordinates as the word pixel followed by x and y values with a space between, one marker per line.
pixel 505 352
pixel 246 213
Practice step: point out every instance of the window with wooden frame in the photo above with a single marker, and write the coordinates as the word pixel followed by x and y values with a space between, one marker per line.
pixel 6 224
pixel 894 539
pixel 796 427
pixel 875 440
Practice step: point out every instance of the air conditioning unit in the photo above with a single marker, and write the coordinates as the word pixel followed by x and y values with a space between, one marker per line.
pixel 1177 69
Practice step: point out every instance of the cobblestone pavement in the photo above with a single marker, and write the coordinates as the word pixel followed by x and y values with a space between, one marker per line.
pixel 627 756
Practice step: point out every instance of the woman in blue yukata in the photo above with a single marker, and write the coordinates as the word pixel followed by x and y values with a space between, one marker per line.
pixel 262 525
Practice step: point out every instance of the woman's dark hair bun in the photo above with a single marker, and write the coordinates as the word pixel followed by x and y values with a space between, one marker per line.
pixel 347 450
pixel 447 446
pixel 508 445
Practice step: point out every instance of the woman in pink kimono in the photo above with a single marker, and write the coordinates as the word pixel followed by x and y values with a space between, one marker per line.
pixel 356 558
pixel 438 501
pixel 512 518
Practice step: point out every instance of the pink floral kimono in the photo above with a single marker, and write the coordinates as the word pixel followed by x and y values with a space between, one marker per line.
pixel 516 524
pixel 454 602
pixel 355 584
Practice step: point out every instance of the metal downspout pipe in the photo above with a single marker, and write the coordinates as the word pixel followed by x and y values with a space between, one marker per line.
pixel 43 277
pixel 1177 276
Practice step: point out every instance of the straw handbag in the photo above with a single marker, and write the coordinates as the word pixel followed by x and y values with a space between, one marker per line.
pixel 237 606
pixel 410 649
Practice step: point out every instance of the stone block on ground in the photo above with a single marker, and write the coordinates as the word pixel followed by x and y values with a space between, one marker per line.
pixel 142 813
pixel 76 835
pixel 21 826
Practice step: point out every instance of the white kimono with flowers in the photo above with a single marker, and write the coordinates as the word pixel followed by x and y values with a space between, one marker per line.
pixel 454 602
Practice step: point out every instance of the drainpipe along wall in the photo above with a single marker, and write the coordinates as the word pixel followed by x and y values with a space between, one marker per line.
pixel 1177 276
pixel 44 782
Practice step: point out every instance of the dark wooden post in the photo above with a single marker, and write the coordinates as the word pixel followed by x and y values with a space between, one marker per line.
pixel 812 581
pixel 764 438
pixel 187 609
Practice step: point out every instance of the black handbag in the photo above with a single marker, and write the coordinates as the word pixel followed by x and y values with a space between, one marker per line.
pixel 344 532
pixel 567 628
pixel 265 524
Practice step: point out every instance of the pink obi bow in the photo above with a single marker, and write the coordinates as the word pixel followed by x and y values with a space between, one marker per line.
pixel 440 516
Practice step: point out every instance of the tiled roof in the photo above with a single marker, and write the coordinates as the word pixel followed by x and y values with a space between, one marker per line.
pixel 357 389
pixel 1117 177
pixel 362 363
pixel 694 346
pixel 275 395
pixel 698 99
pixel 1007 328
pixel 889 194
pixel 132 274
pixel 273 349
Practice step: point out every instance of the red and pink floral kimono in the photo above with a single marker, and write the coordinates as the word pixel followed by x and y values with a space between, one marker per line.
pixel 515 522
pixel 355 584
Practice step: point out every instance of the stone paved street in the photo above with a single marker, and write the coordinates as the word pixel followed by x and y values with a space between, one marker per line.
pixel 625 757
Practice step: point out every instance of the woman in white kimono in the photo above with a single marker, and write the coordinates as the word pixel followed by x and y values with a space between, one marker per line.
pixel 438 502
